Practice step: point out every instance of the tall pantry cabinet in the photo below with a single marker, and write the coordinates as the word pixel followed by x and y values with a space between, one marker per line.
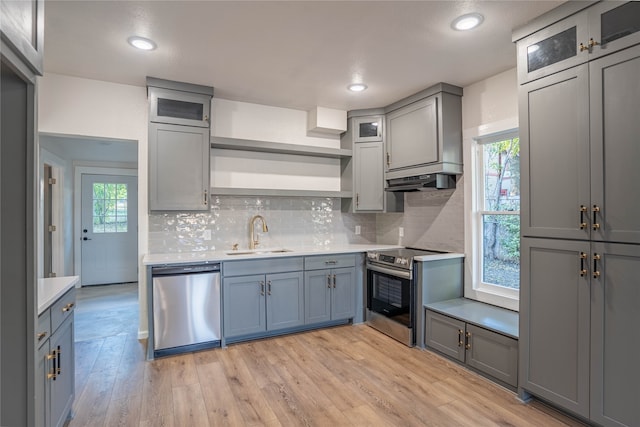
pixel 580 163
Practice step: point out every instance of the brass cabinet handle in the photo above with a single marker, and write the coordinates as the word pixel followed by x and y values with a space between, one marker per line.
pixel 596 272
pixel 334 281
pixel 583 47
pixel 51 375
pixel 331 262
pixel 41 335
pixel 205 196
pixel 592 42
pixel 68 307
pixel 595 210
pixel 468 345
pixel 269 287
pixel 583 210
pixel 460 343
pixel 357 200
pixel 262 287
pixel 59 360
pixel 583 271
pixel 329 281
pixel 388 159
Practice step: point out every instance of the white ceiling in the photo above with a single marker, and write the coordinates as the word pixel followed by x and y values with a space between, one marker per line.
pixel 291 54
pixel 90 149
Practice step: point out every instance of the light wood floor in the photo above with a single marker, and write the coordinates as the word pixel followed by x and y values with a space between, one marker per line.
pixel 344 376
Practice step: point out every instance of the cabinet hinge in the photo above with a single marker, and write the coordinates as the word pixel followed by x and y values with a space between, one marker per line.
pixel 52 181
pixel 52 228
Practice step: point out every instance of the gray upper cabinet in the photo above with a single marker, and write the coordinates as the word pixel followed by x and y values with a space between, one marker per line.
pixel 178 168
pixel 179 108
pixel 179 145
pixel 586 35
pixel 413 135
pixel 22 27
pixel 368 176
pixel 363 173
pixel 554 156
pixel 368 129
pixel 579 151
pixel 615 152
pixel 424 133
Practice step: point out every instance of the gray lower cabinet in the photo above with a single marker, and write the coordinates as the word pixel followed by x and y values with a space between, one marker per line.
pixel 260 303
pixel 178 168
pixel 489 352
pixel 329 295
pixel 55 364
pixel 579 305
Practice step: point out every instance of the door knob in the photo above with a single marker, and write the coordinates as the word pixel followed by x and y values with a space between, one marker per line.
pixel 86 238
pixel 85 230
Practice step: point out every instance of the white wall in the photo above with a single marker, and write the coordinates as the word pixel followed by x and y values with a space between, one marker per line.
pixel 90 108
pixel 488 107
pixel 231 168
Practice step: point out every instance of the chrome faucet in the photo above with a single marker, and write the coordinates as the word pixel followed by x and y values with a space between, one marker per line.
pixel 253 240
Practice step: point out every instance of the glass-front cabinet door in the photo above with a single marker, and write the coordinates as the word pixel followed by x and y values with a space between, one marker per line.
pixel 367 129
pixel 552 49
pixel 179 108
pixel 613 25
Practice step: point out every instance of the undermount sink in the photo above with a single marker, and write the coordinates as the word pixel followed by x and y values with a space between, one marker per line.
pixel 259 251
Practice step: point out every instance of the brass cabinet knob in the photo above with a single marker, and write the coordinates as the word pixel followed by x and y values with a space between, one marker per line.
pixel 68 307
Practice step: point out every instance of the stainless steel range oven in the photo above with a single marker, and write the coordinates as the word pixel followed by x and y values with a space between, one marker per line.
pixel 391 292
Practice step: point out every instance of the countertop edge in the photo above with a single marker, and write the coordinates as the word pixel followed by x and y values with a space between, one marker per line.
pixel 438 257
pixel 50 289
pixel 222 256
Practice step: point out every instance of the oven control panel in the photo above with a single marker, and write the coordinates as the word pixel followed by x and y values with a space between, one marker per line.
pixel 388 259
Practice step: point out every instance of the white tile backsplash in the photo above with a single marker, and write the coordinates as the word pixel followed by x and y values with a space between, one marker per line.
pixel 433 220
pixel 291 221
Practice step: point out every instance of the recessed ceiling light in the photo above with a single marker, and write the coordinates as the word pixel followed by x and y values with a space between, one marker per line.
pixel 141 43
pixel 357 87
pixel 467 22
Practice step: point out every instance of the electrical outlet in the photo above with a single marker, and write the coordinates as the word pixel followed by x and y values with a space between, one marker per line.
pixel 401 231
pixel 206 235
pixel 358 230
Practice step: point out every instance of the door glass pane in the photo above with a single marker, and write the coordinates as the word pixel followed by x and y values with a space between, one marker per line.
pixel 620 22
pixel 501 250
pixel 110 208
pixel 554 49
pixel 180 109
pixel 369 129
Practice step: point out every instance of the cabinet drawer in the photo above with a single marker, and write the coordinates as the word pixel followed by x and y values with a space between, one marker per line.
pixel 62 309
pixel 43 328
pixel 261 266
pixel 329 261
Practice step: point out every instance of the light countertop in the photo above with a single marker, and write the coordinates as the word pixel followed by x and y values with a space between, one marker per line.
pixel 227 255
pixel 437 257
pixel 52 288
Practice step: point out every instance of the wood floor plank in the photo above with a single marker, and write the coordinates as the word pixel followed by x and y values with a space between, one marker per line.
pixel 129 380
pixel 157 399
pixel 219 399
pixel 110 354
pixel 91 406
pixel 254 408
pixel 188 406
pixel 183 370
pixel 124 412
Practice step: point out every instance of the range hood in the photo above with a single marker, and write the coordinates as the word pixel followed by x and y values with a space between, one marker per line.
pixel 428 182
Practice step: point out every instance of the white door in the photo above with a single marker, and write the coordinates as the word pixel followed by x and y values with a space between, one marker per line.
pixel 109 234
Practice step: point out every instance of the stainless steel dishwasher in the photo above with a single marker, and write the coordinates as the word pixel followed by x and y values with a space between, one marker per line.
pixel 186 308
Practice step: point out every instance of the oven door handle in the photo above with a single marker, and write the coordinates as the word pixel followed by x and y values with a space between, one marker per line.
pixel 392 272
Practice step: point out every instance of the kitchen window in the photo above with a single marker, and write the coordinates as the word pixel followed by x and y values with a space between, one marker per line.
pixel 496 218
